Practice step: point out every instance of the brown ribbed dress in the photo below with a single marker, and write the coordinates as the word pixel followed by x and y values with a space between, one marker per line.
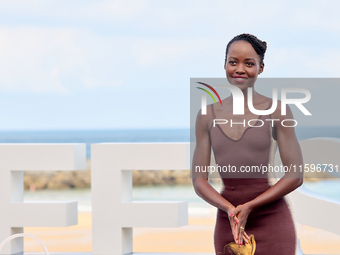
pixel 272 224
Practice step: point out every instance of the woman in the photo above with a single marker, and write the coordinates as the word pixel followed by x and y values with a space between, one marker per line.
pixel 249 205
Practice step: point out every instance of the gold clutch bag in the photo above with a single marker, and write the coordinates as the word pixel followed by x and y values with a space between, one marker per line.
pixel 245 249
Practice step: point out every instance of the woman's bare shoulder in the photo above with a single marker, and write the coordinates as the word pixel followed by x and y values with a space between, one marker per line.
pixel 281 114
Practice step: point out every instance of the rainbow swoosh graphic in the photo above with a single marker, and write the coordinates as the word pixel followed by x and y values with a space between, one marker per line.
pixel 209 92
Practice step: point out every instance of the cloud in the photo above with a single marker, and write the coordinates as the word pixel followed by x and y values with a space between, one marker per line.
pixel 151 52
pixel 101 10
pixel 53 60
pixel 48 48
pixel 61 60
pixel 302 62
pixel 23 55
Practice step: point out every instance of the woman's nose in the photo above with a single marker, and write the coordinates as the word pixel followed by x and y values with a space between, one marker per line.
pixel 240 69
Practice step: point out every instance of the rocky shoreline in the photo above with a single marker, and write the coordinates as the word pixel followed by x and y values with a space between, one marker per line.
pixel 82 178
pixel 36 180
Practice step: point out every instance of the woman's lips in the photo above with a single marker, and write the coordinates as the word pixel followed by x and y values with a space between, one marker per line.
pixel 239 78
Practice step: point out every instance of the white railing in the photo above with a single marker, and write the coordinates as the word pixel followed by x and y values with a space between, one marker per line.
pixel 114 214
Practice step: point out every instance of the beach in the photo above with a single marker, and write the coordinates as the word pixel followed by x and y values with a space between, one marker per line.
pixel 196 237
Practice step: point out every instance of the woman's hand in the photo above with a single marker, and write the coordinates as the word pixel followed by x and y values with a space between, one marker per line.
pixel 241 213
pixel 235 226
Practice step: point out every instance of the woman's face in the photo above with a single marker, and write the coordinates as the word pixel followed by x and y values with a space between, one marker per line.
pixel 242 65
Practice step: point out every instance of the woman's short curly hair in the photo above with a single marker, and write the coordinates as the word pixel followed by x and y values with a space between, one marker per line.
pixel 259 46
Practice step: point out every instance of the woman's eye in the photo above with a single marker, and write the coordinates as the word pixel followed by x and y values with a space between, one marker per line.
pixel 250 63
pixel 232 62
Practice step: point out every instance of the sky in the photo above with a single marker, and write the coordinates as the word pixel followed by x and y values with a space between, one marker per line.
pixel 82 65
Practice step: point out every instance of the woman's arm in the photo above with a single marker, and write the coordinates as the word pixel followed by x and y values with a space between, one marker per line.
pixel 200 182
pixel 291 155
pixel 201 158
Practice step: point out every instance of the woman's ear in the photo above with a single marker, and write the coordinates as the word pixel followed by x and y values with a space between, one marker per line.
pixel 261 68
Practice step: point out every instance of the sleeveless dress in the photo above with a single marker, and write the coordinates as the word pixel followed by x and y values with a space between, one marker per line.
pixel 272 224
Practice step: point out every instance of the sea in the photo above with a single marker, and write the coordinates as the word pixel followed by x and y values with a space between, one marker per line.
pixel 197 207
pixel 131 135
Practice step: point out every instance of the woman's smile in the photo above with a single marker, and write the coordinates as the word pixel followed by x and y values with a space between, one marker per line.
pixel 242 64
pixel 240 79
